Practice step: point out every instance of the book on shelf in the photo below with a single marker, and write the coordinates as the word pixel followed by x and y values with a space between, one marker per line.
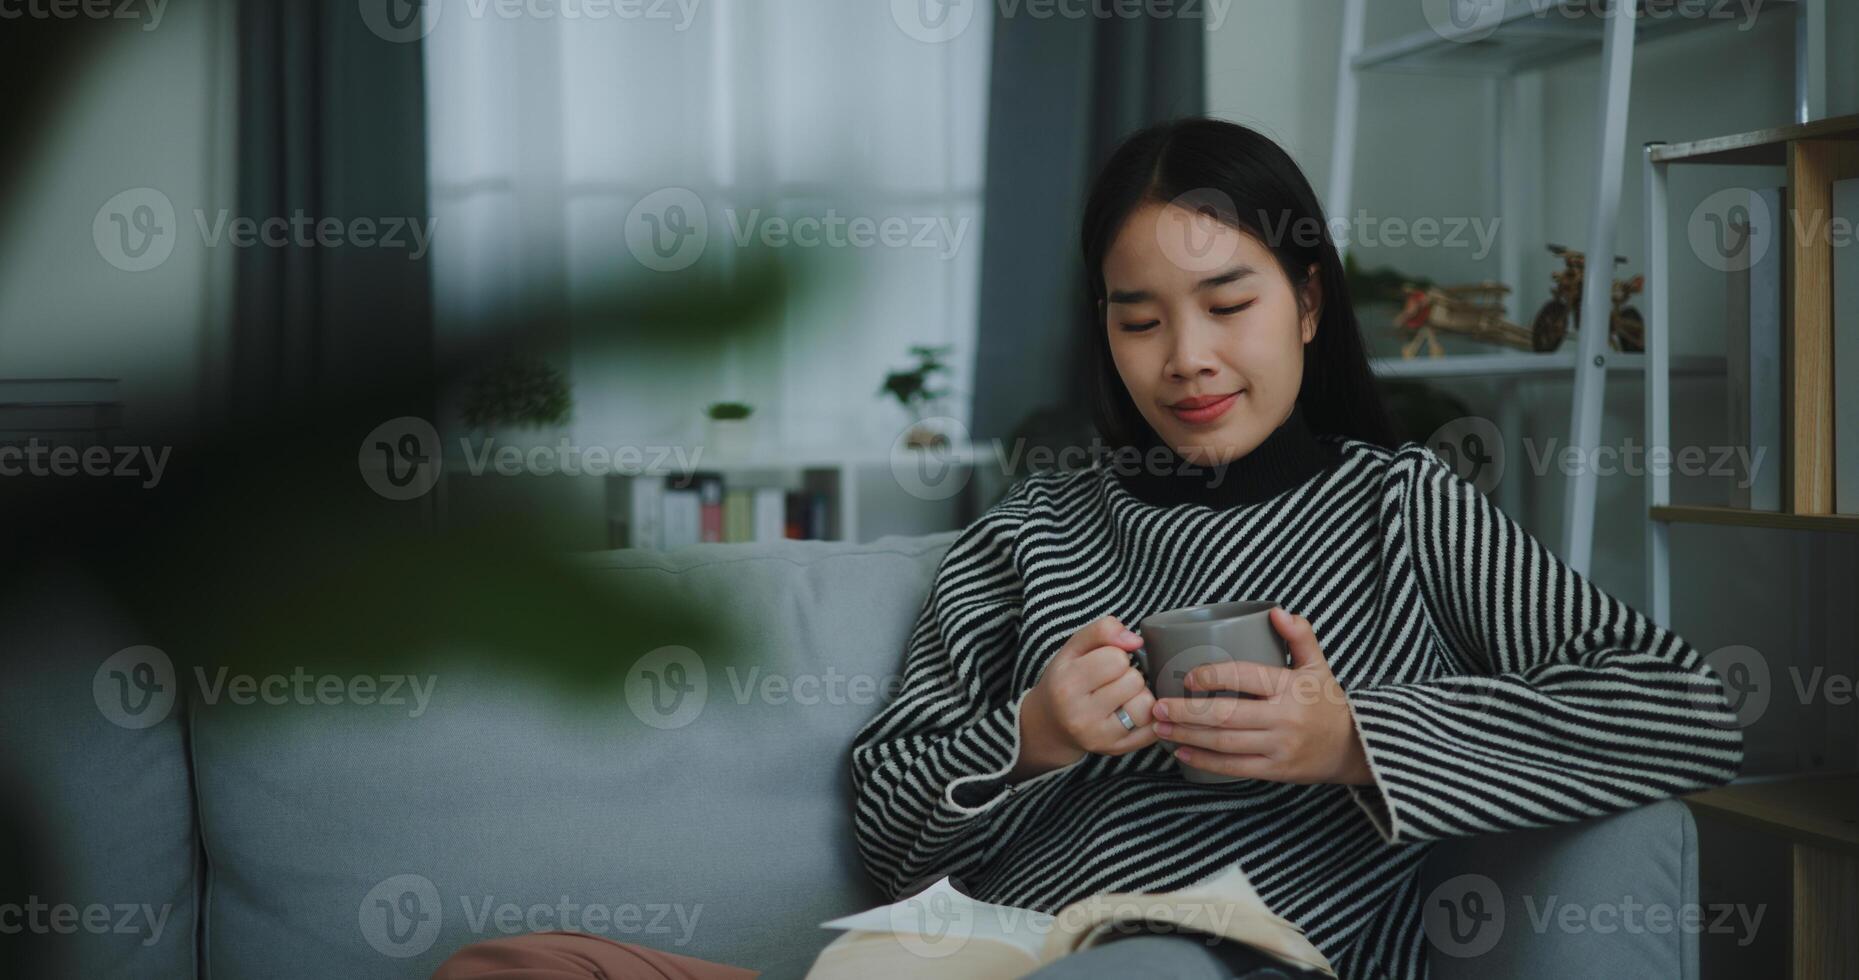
pixel 1846 352
pixel 941 932
pixel 736 514
pixel 796 523
pixel 770 513
pixel 806 515
pixel 636 511
pixel 710 506
pixel 687 507
pixel 816 515
pixel 1753 347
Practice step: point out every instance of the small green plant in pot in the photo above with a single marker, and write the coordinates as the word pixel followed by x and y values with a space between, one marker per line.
pixel 915 391
pixel 728 429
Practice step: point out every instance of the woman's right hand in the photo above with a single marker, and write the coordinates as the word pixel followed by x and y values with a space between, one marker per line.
pixel 1072 709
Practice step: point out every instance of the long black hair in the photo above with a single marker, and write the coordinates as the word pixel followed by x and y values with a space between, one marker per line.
pixel 1248 182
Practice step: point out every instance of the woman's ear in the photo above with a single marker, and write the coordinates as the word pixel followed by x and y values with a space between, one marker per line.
pixel 1313 302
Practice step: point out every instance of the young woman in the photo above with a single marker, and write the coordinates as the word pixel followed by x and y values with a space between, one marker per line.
pixel 1450 675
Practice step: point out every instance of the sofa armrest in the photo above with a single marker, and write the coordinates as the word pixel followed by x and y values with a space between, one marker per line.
pixel 1615 896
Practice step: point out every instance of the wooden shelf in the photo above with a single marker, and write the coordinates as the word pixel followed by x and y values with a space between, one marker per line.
pixel 1528 35
pixel 1738 517
pixel 1762 147
pixel 1818 815
pixel 1820 809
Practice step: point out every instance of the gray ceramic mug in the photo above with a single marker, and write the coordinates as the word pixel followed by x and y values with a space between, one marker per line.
pixel 1179 640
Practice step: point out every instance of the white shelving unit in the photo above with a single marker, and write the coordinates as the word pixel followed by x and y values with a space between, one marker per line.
pixel 1529 35
pixel 833 469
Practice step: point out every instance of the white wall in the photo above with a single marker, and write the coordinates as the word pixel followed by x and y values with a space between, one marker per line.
pixel 148 109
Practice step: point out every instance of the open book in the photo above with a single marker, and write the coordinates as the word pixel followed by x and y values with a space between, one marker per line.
pixel 942 933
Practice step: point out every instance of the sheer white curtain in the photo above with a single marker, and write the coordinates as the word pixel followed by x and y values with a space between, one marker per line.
pixel 546 131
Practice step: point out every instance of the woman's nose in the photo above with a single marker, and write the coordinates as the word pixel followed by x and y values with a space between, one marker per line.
pixel 1193 353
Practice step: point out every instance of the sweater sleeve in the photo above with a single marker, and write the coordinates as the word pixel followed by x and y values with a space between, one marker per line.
pixel 1566 703
pixel 932 765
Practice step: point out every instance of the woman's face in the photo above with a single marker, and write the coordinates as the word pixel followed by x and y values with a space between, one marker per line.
pixel 1204 330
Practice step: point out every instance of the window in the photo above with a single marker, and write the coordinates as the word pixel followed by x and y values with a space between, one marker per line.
pixel 548 131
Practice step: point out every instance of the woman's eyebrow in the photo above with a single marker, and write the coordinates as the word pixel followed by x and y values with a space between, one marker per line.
pixel 1234 274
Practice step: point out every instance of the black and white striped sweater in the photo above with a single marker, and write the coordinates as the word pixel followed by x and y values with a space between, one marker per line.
pixel 1493 687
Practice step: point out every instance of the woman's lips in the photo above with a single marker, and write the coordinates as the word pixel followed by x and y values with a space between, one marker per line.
pixel 1207 413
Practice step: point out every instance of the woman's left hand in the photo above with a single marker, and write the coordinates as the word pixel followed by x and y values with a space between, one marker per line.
pixel 1298 730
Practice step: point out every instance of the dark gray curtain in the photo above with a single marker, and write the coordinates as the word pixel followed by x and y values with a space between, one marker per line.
pixel 332 124
pixel 1064 91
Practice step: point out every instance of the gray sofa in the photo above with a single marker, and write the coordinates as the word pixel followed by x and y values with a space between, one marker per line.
pixel 363 841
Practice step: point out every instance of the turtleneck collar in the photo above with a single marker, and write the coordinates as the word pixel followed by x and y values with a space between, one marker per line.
pixel 1289 456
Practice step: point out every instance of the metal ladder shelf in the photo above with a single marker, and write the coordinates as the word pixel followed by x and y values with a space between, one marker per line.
pixel 1496 43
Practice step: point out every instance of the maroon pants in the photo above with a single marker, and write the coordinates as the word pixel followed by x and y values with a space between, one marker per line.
pixel 577 956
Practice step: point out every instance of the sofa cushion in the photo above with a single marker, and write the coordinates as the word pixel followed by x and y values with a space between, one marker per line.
pixel 98 809
pixel 1608 896
pixel 373 840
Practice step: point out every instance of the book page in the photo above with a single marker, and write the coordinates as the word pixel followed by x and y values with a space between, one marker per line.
pixel 1225 904
pixel 940 915
pixel 941 933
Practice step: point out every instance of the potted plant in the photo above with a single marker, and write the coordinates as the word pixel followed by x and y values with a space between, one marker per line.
pixel 517 401
pixel 915 391
pixel 728 429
